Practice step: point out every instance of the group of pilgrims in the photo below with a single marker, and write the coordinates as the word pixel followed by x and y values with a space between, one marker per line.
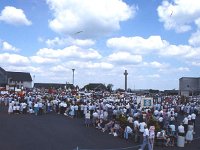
pixel 119 115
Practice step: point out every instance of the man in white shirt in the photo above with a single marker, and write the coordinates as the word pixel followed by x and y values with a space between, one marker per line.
pixel 127 131
pixel 193 118
pixel 141 130
pixel 185 124
pixel 145 138
pixel 181 130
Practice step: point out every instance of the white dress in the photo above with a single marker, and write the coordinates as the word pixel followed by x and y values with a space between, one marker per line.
pixel 10 108
pixel 189 134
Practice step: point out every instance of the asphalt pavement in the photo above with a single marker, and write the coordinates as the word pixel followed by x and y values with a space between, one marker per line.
pixel 58 132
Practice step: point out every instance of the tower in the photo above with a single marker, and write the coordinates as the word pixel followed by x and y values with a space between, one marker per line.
pixel 73 76
pixel 125 74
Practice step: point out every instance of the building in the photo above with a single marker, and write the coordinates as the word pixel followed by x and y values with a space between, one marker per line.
pixel 95 87
pixel 53 85
pixel 15 80
pixel 171 92
pixel 189 86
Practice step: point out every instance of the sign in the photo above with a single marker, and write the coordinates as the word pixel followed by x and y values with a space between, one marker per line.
pixel 147 102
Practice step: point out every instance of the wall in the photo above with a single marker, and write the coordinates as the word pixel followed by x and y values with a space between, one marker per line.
pixel 27 84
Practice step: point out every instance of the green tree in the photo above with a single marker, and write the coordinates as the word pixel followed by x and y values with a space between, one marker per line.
pixel 109 87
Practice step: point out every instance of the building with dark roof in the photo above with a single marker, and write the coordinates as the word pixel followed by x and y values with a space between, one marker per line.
pixel 15 80
pixel 95 87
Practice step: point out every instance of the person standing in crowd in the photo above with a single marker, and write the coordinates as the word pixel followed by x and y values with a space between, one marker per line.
pixel 181 130
pixel 127 131
pixel 185 123
pixel 141 130
pixel 87 118
pixel 136 129
pixel 10 108
pixel 36 108
pixel 193 119
pixel 145 139
pixel 189 134
pixel 151 137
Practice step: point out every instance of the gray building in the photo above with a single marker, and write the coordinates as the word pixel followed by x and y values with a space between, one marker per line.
pixel 189 86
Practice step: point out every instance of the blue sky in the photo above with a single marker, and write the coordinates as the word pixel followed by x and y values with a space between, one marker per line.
pixel 157 41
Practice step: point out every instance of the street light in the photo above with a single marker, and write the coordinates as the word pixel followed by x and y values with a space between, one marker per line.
pixel 73 76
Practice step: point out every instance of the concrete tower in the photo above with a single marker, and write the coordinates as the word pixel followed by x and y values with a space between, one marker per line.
pixel 125 74
pixel 73 76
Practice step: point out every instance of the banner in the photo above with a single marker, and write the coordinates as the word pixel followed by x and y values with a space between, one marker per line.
pixel 147 102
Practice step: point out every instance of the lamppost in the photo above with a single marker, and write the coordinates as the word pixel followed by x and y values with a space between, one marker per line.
pixel 73 76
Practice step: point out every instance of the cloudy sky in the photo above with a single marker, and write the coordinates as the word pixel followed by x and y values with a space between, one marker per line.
pixel 157 41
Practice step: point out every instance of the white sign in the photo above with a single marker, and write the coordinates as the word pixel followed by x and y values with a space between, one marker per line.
pixel 147 102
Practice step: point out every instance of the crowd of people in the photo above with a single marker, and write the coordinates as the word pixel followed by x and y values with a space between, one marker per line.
pixel 119 115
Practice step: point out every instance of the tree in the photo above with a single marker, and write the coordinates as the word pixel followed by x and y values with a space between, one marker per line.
pixel 109 87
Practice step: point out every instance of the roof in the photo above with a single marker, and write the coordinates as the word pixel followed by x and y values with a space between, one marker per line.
pixel 2 70
pixel 95 86
pixel 19 76
pixel 189 78
pixel 53 85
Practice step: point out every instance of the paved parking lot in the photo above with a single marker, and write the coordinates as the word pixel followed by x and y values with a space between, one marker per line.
pixel 56 132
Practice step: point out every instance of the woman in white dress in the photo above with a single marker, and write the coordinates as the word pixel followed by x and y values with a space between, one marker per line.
pixel 189 134
pixel 10 108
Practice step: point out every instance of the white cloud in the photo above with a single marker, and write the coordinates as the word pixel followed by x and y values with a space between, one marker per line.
pixel 174 70
pixel 125 58
pixel 69 52
pixel 13 59
pixel 93 17
pixel 22 68
pixel 14 16
pixel 59 42
pixel 195 39
pixel 153 76
pixel 155 64
pixel 137 44
pixel 59 68
pixel 183 69
pixel 184 51
pixel 42 60
pixel 194 63
pixel 8 47
pixel 89 65
pixel 86 42
pixel 179 15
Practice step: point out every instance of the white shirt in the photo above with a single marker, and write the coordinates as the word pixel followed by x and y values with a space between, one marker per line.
pixel 128 129
pixel 181 129
pixel 185 120
pixel 146 132
pixel 172 127
pixel 136 123
pixel 189 117
pixel 141 125
pixel 87 115
pixel 95 115
pixel 193 116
